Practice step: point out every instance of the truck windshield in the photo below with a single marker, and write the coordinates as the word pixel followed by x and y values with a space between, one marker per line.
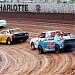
pixel 42 35
pixel 15 30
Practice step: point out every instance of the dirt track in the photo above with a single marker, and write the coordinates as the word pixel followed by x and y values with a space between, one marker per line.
pixel 21 60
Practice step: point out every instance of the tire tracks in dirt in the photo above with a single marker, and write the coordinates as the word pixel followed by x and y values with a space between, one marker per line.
pixel 24 61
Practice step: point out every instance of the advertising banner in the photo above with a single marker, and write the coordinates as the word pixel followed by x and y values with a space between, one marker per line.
pixel 37 7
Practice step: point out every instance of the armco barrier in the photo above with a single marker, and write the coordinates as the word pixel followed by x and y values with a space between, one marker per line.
pixel 49 16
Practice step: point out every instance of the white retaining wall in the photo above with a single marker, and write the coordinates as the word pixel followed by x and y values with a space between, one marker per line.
pixel 38 7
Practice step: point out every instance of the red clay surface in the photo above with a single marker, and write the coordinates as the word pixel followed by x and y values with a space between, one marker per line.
pixel 21 60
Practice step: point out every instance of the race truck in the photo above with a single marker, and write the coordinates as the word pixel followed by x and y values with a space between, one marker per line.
pixel 42 36
pixel 10 36
pixel 2 23
pixel 57 43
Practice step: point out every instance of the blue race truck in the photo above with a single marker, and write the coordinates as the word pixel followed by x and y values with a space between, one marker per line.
pixel 56 43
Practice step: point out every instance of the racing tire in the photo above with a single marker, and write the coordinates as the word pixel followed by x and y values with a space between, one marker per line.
pixel 8 41
pixel 57 49
pixel 32 46
pixel 40 50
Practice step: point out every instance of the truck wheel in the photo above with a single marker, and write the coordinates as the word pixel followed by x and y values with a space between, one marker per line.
pixel 40 50
pixel 32 46
pixel 8 41
pixel 57 48
pixel 24 40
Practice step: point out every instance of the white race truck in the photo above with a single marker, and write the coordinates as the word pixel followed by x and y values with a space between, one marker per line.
pixel 2 23
pixel 42 36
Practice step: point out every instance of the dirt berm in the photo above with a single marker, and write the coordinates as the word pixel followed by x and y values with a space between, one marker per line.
pixel 49 16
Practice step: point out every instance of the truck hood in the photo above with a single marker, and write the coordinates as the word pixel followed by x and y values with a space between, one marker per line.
pixel 36 39
pixel 33 39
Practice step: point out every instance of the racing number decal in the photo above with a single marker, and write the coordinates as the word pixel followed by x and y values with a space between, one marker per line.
pixel 0 38
pixel 3 38
pixel 50 45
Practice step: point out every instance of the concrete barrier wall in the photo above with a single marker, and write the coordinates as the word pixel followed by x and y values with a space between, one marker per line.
pixel 38 7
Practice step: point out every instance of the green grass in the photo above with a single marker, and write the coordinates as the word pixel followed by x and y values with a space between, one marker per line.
pixel 69 2
pixel 72 2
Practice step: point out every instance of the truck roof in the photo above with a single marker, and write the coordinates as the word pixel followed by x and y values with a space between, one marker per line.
pixel 53 31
